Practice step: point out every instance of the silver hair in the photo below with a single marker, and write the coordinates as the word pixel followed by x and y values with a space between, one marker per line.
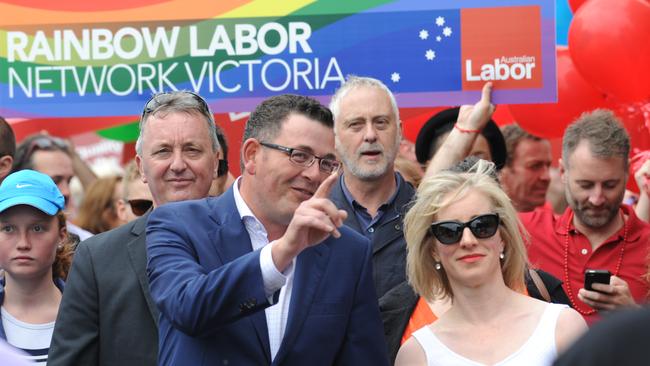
pixel 354 82
pixel 177 101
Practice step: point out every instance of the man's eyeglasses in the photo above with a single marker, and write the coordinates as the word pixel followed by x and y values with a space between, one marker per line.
pixel 306 159
pixel 140 207
pixel 162 98
pixel 450 232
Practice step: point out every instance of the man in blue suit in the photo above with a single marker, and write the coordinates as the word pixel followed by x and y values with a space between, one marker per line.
pixel 266 274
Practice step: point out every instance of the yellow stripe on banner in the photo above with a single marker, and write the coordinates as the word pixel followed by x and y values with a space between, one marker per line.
pixel 266 8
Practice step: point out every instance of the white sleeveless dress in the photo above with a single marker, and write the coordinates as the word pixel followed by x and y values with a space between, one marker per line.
pixel 539 349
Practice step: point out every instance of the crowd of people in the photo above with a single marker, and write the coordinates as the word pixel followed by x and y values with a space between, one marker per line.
pixel 340 243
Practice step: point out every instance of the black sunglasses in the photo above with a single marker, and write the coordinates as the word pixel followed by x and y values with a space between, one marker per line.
pixel 222 168
pixel 140 207
pixel 450 232
pixel 306 159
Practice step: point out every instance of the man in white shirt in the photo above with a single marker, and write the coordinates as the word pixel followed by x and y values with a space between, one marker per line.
pixel 266 273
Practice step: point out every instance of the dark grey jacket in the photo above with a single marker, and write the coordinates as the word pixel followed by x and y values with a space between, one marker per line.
pixel 388 244
pixel 106 315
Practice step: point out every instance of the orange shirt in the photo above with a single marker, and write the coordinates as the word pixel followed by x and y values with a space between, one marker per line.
pixel 422 316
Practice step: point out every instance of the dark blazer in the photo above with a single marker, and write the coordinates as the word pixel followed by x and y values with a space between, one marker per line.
pixel 620 338
pixel 398 304
pixel 388 244
pixel 207 284
pixel 106 315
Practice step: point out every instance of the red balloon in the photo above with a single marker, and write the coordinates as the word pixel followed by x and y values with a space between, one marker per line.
pixel 610 45
pixel 575 4
pixel 575 96
pixel 636 120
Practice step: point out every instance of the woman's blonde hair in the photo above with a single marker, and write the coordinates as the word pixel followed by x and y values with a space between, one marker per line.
pixel 443 190
pixel 98 206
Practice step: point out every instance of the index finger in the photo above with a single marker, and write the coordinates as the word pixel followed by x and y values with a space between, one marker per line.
pixel 325 187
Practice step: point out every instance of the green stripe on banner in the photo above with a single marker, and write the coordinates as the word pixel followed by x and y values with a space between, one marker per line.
pixel 125 133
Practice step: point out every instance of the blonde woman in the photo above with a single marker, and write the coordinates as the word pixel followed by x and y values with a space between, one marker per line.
pixel 464 243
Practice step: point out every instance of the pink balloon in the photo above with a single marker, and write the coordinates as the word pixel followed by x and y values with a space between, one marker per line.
pixel 609 42
pixel 575 96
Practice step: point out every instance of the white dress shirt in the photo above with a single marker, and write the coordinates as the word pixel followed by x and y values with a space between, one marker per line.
pixel 276 314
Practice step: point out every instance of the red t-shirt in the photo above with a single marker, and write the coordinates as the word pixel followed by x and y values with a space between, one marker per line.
pixel 548 235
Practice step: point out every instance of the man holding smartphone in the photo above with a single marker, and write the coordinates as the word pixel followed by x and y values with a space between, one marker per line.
pixel 596 231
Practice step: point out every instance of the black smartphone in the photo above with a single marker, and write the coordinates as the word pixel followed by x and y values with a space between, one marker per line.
pixel 596 276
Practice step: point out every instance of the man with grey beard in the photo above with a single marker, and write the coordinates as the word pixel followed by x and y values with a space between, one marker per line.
pixel 367 133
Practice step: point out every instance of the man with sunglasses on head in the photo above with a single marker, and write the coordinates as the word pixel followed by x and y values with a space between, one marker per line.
pixel 266 273
pixel 107 316
pixel 58 159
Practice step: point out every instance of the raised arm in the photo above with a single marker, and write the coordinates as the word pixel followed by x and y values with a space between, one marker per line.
pixel 471 120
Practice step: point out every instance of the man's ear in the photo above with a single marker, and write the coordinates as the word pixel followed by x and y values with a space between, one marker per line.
pixel 250 155
pixel 563 170
pixel 6 163
pixel 138 162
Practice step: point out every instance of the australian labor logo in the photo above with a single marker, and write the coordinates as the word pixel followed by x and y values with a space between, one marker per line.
pixel 502 46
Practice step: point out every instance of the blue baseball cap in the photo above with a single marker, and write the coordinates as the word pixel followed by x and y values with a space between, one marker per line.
pixel 29 187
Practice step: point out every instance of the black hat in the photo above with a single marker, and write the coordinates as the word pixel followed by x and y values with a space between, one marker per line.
pixel 443 122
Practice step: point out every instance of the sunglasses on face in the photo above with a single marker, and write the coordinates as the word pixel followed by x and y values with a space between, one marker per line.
pixel 140 207
pixel 450 232
pixel 222 168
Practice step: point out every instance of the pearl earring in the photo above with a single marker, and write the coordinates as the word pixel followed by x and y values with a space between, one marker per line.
pixel 438 266
pixel 502 256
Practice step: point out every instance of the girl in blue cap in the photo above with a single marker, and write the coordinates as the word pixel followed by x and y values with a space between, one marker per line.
pixel 35 254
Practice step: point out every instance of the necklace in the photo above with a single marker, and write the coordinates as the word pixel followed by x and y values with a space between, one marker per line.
pixel 566 265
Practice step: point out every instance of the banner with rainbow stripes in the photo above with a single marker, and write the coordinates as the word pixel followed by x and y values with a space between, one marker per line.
pixel 104 59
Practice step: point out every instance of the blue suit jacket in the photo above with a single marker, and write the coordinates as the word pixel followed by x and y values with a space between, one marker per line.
pixel 207 283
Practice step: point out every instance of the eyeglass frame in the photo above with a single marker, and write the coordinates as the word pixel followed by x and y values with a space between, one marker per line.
pixel 289 151
pixel 464 225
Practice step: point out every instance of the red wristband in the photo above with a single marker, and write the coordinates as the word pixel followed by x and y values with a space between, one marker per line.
pixel 466 130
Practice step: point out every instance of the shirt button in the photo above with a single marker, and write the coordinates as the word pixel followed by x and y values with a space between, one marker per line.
pixel 584 251
pixel 371 230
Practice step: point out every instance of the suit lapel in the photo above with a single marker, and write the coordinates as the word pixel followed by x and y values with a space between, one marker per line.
pixel 137 249
pixel 310 267
pixel 231 241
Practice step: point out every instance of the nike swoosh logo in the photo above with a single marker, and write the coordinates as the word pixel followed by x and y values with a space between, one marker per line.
pixel 23 185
